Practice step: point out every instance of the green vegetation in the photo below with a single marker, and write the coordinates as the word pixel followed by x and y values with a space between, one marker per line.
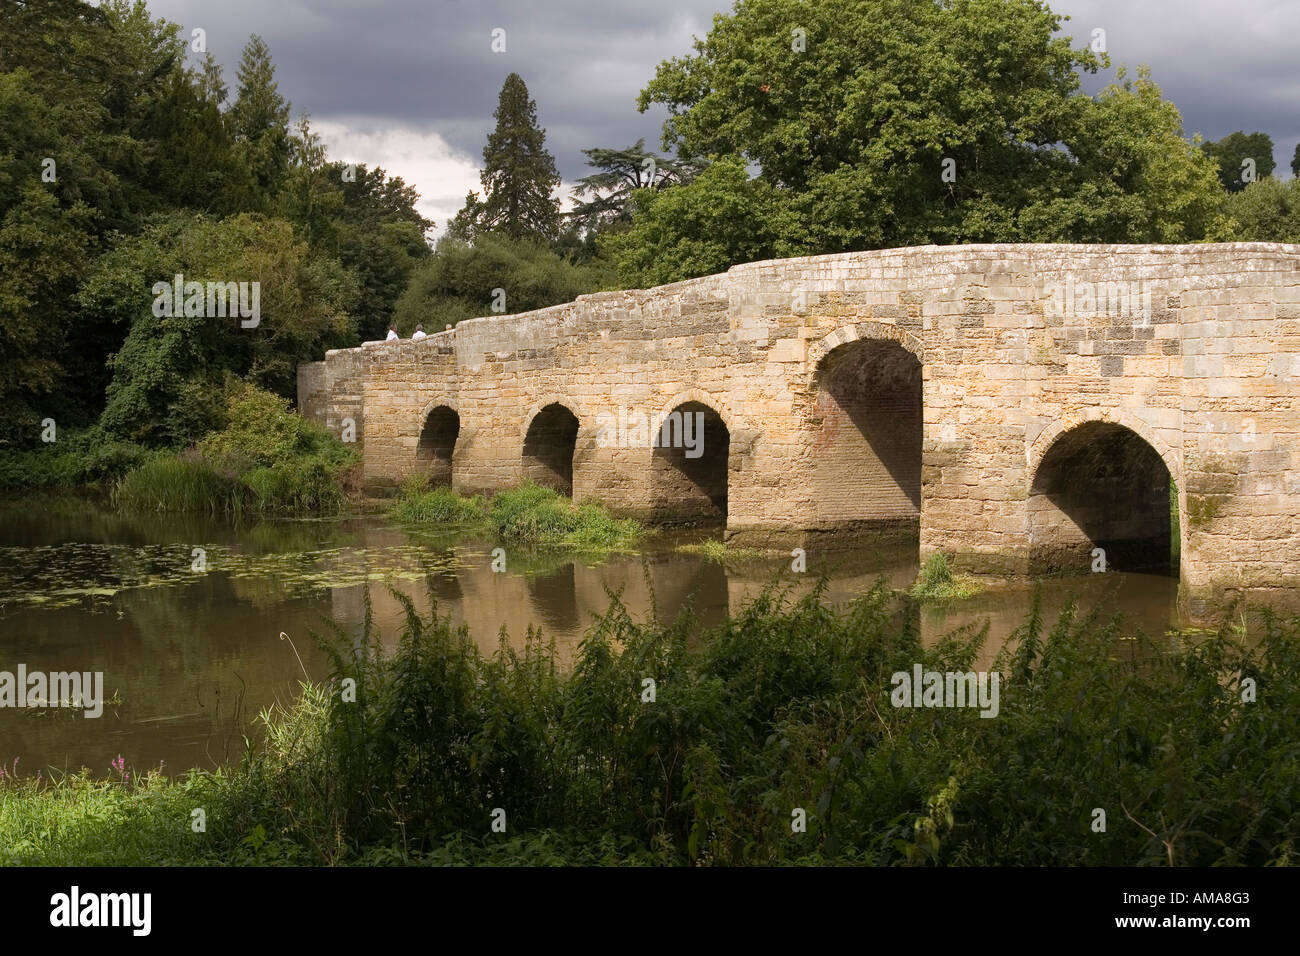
pixel 1231 153
pixel 266 461
pixel 784 706
pixel 898 159
pixel 461 280
pixel 122 167
pixel 936 582
pixel 529 514
pixel 1267 211
pixel 419 504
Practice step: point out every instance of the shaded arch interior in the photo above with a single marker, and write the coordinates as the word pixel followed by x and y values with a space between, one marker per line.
pixel 549 446
pixel 1101 485
pixel 437 444
pixel 868 429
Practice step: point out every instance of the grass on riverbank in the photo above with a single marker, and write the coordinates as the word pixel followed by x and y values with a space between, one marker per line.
pixel 529 514
pixel 783 708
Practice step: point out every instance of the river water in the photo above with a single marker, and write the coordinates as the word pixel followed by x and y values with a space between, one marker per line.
pixel 189 642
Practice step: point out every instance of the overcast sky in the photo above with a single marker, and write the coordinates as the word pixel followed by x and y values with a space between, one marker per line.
pixel 411 85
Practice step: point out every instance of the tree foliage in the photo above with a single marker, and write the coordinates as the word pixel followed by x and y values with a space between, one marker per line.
pixel 461 280
pixel 875 123
pixel 120 165
pixel 519 175
pixel 1238 151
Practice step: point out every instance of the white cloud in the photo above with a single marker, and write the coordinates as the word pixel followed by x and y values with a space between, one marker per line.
pixel 422 158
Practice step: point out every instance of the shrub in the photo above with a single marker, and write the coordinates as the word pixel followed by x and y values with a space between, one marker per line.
pixel 266 459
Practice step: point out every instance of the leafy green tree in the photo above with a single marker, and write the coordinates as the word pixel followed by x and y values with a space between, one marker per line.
pixel 380 238
pixel 259 117
pixel 1231 154
pixel 168 375
pixel 722 218
pixel 1295 161
pixel 519 175
pixel 1267 211
pixel 465 225
pixel 460 281
pixel 901 122
pixel 602 198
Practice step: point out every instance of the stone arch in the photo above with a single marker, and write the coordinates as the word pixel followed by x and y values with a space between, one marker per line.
pixel 865 429
pixel 435 448
pixel 690 460
pixel 1100 479
pixel 550 441
pixel 864 330
pixel 1035 450
pixel 701 397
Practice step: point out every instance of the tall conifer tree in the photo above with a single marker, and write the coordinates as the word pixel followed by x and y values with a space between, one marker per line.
pixel 519 175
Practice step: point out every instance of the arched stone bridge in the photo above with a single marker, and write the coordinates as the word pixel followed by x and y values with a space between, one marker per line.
pixel 1017 406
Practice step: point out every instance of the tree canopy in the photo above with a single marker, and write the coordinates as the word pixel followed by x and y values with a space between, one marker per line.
pixel 871 123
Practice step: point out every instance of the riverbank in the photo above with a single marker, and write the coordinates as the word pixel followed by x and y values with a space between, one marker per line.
pixel 771 738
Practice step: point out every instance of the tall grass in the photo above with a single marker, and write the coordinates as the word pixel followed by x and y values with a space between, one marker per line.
pixel 784 707
pixel 266 460
pixel 172 483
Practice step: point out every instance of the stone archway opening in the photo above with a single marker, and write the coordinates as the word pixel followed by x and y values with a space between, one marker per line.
pixel 868 428
pixel 437 444
pixel 689 463
pixel 548 448
pixel 1101 486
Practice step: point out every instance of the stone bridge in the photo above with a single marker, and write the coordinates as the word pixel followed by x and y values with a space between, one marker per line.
pixel 1014 406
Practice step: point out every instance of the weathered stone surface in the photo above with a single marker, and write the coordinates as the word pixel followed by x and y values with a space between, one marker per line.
pixel 1207 375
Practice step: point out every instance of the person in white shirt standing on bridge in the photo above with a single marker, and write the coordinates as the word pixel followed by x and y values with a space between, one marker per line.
pixel 392 334
pixel 419 334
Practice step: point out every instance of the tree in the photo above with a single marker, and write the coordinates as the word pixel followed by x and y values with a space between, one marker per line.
pixel 602 198
pixel 259 117
pixel 461 281
pixel 903 122
pixel 168 375
pixel 1267 211
pixel 519 175
pixel 466 224
pixel 1295 161
pixel 380 239
pixel 722 218
pixel 1239 155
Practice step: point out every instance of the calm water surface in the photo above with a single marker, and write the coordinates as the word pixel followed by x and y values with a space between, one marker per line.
pixel 191 656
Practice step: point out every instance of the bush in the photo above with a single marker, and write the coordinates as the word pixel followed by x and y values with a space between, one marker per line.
pixel 784 705
pixel 266 459
pixel 76 460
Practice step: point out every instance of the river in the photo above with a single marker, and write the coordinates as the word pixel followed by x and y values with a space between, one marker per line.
pixel 189 641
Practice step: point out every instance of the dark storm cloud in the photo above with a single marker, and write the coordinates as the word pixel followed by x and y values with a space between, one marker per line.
pixel 428 65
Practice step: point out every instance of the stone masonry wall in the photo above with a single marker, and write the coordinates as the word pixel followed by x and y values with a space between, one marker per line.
pixel 1196 349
